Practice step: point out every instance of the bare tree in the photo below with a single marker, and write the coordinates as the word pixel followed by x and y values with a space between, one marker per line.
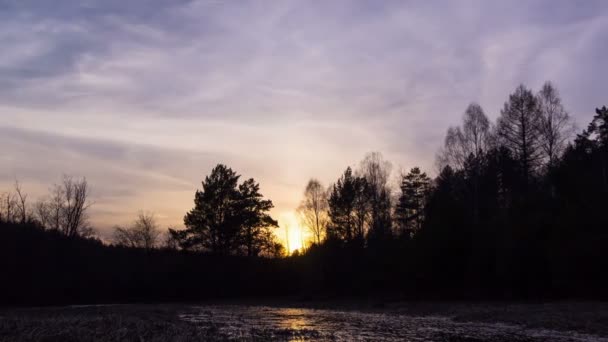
pixel 555 126
pixel 476 127
pixel 125 236
pixel 42 212
pixel 376 172
pixel 519 129
pixel 49 210
pixel 143 233
pixel 169 240
pixel 313 209
pixel 472 139
pixel 64 210
pixel 464 147
pixel 21 202
pixel 148 229
pixel 2 205
pixel 8 204
pixel 453 152
pixel 54 206
pixel 72 197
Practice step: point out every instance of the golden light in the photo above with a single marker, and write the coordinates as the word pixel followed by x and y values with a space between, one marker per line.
pixel 291 234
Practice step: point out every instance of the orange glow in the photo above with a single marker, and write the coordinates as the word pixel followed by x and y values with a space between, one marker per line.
pixel 291 234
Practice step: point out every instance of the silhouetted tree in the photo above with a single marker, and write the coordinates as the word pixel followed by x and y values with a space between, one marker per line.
pixel 8 204
pixel 169 240
pixel 444 236
pixel 381 227
pixel 600 128
pixel 56 205
pixel 555 124
pixel 66 209
pixel 21 203
pixel 313 209
pixel 255 235
pixel 490 225
pixel 266 245
pixel 143 233
pixel 415 188
pixel 74 205
pixel 376 172
pixel 211 224
pixel 361 209
pixel 518 130
pixel 472 139
pixel 348 208
pixel 42 212
pixel 125 236
pixel 594 141
pixel 227 218
pixel 466 147
pixel 341 207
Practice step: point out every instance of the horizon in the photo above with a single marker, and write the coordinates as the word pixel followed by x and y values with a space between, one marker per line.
pixel 143 103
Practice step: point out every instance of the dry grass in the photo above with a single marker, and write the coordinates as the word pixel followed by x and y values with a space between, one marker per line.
pixel 108 323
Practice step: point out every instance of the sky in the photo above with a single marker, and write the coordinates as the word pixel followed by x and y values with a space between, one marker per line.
pixel 143 98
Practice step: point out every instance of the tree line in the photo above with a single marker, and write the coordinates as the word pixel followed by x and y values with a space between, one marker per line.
pixel 50 253
pixel 228 218
pixel 516 203
pixel 64 208
pixel 524 147
pixel 517 209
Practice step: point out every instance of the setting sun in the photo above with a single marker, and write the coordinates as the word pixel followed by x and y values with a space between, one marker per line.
pixel 291 233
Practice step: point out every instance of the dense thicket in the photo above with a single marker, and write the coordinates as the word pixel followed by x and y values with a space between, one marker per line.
pixel 517 210
pixel 41 266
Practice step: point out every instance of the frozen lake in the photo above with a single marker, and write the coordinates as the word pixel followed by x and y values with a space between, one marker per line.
pixel 345 321
pixel 297 324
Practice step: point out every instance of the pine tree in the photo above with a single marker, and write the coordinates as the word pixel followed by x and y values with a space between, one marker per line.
pixel 594 140
pixel 341 207
pixel 255 235
pixel 227 218
pixel 415 187
pixel 348 208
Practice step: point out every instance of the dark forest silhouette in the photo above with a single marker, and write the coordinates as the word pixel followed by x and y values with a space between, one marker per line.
pixel 518 210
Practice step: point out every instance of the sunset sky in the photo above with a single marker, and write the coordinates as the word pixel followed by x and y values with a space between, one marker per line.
pixel 145 97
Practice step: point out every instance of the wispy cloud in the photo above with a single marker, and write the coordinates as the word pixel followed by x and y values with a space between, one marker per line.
pixel 143 97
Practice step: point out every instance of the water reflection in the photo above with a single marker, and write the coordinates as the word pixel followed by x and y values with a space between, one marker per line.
pixel 295 319
pixel 293 324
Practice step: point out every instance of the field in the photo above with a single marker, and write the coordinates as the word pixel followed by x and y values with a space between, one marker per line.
pixel 329 321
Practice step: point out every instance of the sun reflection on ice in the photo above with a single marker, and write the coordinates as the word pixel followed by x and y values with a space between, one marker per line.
pixel 295 319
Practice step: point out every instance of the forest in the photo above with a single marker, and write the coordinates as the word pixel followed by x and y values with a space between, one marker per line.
pixel 516 211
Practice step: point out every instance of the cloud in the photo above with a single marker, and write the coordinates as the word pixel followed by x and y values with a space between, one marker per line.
pixel 144 97
pixel 124 177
